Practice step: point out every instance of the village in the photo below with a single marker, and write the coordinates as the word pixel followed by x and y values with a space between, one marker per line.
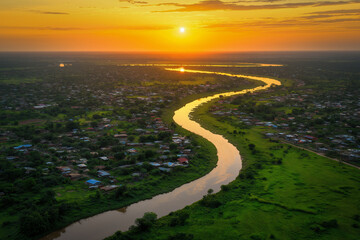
pixel 325 123
pixel 105 147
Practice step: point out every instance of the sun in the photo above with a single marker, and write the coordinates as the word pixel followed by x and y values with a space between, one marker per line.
pixel 182 30
pixel 182 69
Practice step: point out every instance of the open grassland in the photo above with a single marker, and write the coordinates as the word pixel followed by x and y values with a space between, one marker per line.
pixel 282 193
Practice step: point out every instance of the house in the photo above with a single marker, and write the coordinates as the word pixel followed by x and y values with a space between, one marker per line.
pixel 155 164
pixel 102 173
pixel 132 151
pixel 104 158
pixel 187 151
pixel 312 138
pixel 169 164
pixel 93 182
pixel 23 146
pixel 122 136
pixel 183 160
pixel 29 169
pixel 164 169
pixel 136 174
pixel 101 167
pixel 82 160
pixel 109 187
pixel 74 176
pixel 64 170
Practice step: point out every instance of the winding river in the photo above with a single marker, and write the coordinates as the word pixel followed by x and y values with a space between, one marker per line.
pixel 227 169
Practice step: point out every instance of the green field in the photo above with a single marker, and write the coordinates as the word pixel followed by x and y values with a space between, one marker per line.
pixel 282 193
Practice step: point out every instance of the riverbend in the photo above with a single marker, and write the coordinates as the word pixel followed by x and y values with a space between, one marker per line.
pixel 228 167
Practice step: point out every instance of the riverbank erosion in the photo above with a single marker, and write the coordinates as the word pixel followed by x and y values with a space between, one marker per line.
pixel 227 169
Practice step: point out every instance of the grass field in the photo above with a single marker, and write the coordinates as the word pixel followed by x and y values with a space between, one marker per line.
pixel 282 193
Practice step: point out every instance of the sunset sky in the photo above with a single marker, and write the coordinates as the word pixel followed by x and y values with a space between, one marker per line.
pixel 154 25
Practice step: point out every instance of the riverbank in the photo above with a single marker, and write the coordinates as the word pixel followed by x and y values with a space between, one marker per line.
pixel 186 191
pixel 204 162
pixel 282 192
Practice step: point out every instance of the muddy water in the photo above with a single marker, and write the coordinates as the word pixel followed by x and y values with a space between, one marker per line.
pixel 227 169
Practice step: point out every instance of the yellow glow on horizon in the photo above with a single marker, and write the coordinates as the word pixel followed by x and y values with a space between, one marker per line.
pixel 55 26
pixel 182 69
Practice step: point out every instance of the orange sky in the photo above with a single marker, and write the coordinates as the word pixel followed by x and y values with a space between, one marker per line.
pixel 153 25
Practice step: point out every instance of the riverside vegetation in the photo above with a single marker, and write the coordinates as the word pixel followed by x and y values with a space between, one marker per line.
pixel 282 193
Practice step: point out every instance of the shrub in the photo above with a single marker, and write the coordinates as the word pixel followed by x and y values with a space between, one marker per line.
pixel 210 201
pixel 330 224
pixel 256 237
pixel 120 191
pixel 146 221
pixel 225 188
pixel 32 224
pixel 179 219
pixel 181 236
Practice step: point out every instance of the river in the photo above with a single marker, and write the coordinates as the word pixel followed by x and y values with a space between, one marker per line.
pixel 105 224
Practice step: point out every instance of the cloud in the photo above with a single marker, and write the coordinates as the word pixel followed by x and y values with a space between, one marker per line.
pixel 339 11
pixel 50 28
pixel 213 5
pixel 49 12
pixel 288 22
pixel 333 13
pixel 41 28
pixel 134 2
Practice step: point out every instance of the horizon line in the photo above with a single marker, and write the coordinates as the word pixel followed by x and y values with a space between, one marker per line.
pixel 178 52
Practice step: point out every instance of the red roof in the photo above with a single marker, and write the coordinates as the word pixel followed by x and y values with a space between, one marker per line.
pixel 183 160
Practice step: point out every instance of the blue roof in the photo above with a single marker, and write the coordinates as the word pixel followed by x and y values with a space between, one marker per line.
pixel 155 164
pixel 93 181
pixel 164 169
pixel 23 146
pixel 103 173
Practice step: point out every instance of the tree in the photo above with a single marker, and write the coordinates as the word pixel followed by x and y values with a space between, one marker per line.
pixel 252 146
pixel 181 236
pixel 27 184
pixel 33 223
pixel 172 146
pixel 179 219
pixel 48 197
pixel 146 221
pixel 149 153
pixel 120 191
pixel 119 155
pixel 70 125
